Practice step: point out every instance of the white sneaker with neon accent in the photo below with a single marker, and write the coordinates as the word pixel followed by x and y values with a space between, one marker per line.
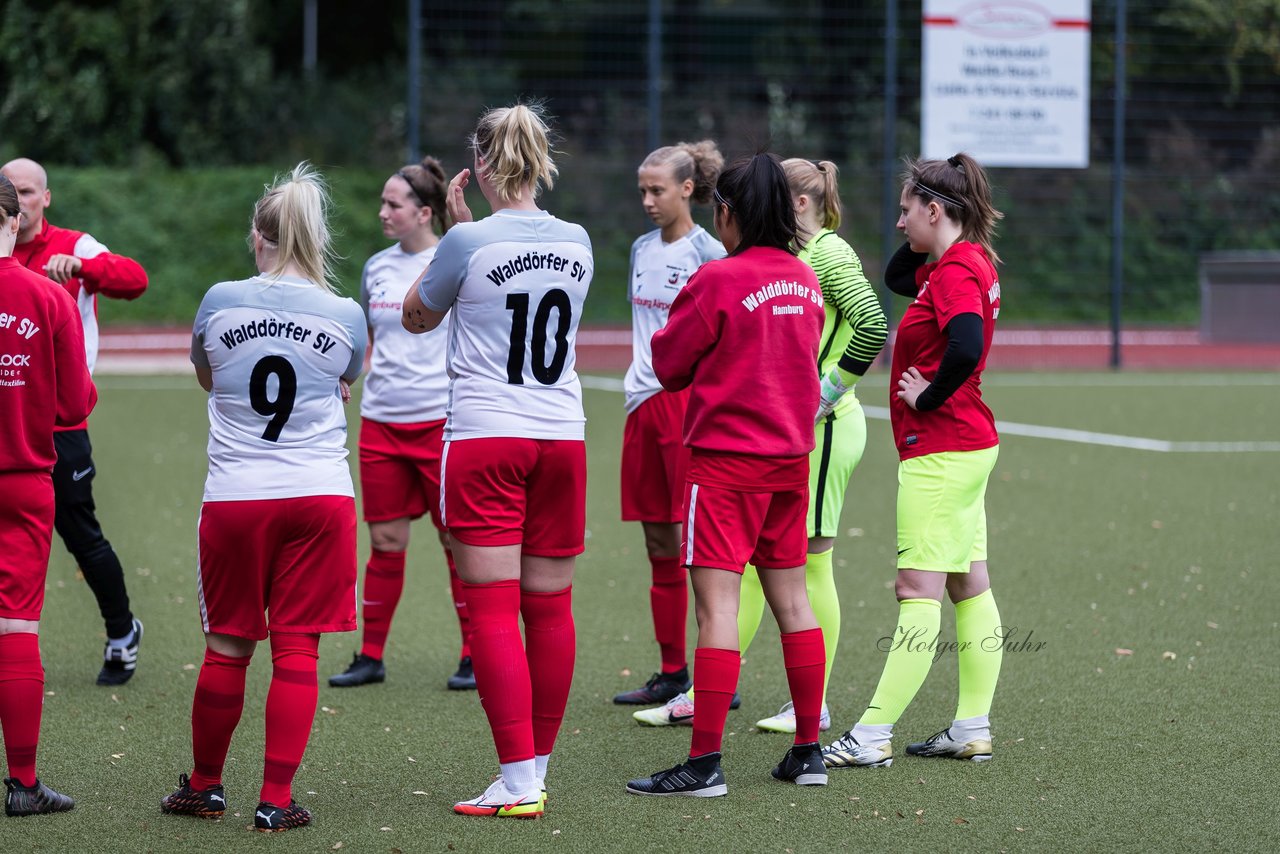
pixel 499 802
pixel 944 746
pixel 785 720
pixel 678 711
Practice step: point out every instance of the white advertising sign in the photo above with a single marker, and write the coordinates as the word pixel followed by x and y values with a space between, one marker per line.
pixel 1007 81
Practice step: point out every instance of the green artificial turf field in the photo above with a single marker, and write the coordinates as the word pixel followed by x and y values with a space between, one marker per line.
pixel 1137 717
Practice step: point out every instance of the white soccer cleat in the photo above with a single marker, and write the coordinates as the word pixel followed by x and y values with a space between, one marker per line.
pixel 785 720
pixel 499 802
pixel 846 752
pixel 677 711
pixel 943 746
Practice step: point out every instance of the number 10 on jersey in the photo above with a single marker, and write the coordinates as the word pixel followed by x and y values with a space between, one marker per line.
pixel 545 372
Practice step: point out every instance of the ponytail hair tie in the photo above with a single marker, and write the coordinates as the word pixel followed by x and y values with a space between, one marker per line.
pixel 955 161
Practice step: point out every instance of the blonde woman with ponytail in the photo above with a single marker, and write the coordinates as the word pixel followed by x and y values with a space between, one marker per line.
pixel 514 472
pixel 277 542
pixel 947 442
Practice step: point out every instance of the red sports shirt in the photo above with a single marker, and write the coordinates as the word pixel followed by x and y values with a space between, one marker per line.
pixel 962 281
pixel 43 377
pixel 743 336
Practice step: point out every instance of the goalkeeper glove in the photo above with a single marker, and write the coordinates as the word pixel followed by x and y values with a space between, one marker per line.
pixel 833 387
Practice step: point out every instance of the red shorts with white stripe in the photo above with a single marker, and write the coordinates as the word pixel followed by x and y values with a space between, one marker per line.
pixel 508 491
pixel 279 565
pixel 26 529
pixel 741 509
pixel 655 461
pixel 400 470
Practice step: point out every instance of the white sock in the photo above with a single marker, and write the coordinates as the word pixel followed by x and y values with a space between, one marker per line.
pixel 519 777
pixel 540 767
pixel 124 642
pixel 873 735
pixel 969 729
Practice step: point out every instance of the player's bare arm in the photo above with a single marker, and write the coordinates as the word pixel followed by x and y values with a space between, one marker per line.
pixel 416 317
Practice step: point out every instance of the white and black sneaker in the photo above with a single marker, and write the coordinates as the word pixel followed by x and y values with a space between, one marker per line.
pixel 699 777
pixel 847 752
pixel 945 746
pixel 803 765
pixel 120 661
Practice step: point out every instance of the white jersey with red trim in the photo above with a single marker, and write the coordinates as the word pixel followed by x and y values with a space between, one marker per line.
pixel 515 283
pixel 407 382
pixel 277 348
pixel 659 271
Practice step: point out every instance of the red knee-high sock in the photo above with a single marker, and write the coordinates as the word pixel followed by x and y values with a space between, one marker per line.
pixel 805 656
pixel 21 701
pixel 215 711
pixel 291 709
pixel 715 678
pixel 551 645
pixel 502 671
pixel 459 604
pixel 383 584
pixel 669 600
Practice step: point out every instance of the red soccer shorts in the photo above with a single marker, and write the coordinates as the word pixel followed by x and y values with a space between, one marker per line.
pixel 741 509
pixel 655 460
pixel 400 470
pixel 26 529
pixel 291 561
pixel 506 491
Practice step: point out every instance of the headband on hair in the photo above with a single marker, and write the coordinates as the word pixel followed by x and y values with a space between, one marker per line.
pixel 400 173
pixel 942 197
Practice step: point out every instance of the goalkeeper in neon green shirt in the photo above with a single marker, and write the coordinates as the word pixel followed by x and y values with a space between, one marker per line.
pixel 852 337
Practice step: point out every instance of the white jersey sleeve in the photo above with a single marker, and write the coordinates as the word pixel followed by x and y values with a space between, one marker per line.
pixel 515 283
pixel 277 348
pixel 659 271
pixel 407 382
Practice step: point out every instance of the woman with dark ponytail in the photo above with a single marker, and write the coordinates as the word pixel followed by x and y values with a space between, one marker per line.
pixel 402 415
pixel 743 337
pixel 947 442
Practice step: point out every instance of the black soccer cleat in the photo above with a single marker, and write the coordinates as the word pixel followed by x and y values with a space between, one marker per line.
pixel 363 670
pixel 269 818
pixel 20 800
pixel 204 803
pixel 119 663
pixel 465 678
pixel 660 688
pixel 698 777
pixel 803 765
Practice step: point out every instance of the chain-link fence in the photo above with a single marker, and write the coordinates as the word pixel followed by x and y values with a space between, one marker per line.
pixel 808 78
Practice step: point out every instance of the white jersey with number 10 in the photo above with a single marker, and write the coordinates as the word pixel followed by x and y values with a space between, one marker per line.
pixel 515 283
pixel 277 348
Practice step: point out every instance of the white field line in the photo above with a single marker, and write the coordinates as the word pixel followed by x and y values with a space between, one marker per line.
pixel 1036 431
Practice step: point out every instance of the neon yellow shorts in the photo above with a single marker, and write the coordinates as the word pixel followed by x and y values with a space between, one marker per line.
pixel 942 520
pixel 841 439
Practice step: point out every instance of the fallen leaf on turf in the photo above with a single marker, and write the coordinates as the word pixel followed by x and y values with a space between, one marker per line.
pixel 1122 651
pixel 337 846
pixel 117 756
pixel 116 699
pixel 919 812
pixel 420 792
pixel 1157 524
pixel 555 833
pixel 971 797
pixel 959 821
pixel 384 829
pixel 1169 656
pixel 1212 625
pixel 188 667
pixel 855 798
pixel 411 759
pixel 626 671
pixel 900 815
pixel 1020 830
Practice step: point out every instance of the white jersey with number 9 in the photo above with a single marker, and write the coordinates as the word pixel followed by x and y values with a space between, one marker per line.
pixel 515 282
pixel 277 348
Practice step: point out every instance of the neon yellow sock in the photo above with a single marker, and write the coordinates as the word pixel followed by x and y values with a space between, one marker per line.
pixel 977 621
pixel 911 653
pixel 820 581
pixel 750 607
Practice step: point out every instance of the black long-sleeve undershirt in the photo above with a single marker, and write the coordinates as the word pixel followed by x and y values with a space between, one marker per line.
pixel 900 272
pixel 959 361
